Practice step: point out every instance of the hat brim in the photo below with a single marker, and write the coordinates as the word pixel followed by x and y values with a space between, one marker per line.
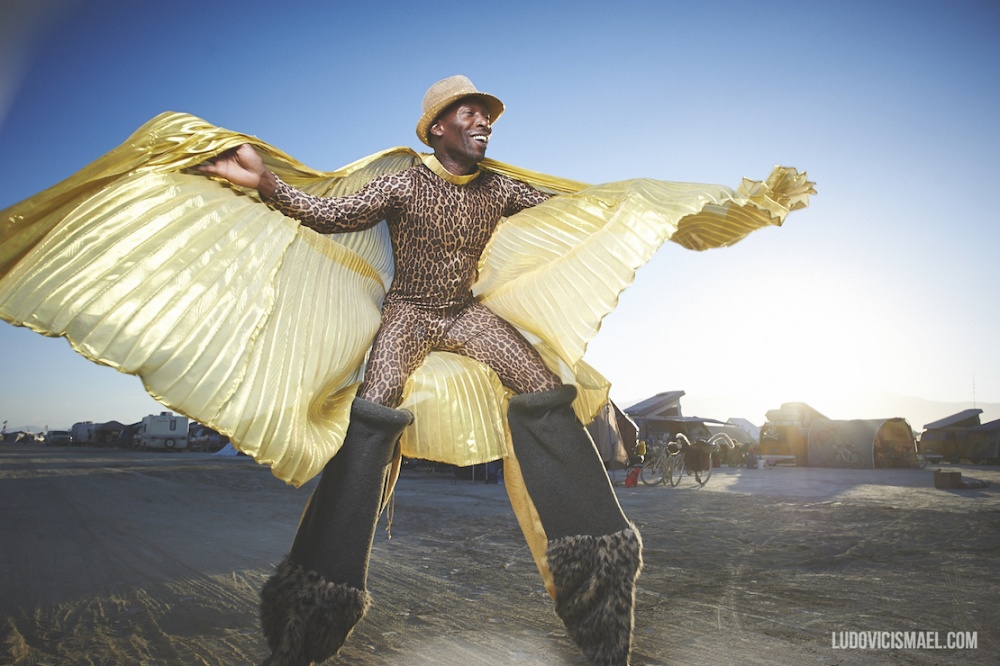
pixel 496 109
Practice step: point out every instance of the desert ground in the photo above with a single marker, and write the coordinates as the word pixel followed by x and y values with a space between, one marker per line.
pixel 122 557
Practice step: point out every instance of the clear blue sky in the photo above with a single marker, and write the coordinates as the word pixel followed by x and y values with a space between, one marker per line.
pixel 885 289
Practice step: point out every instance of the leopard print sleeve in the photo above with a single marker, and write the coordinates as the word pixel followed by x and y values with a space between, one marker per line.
pixel 522 196
pixel 367 207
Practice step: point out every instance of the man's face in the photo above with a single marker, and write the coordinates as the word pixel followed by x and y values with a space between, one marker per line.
pixel 463 130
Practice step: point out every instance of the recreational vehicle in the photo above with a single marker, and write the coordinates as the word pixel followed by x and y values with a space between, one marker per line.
pixel 83 433
pixel 163 431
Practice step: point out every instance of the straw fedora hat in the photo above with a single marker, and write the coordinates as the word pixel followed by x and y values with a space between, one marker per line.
pixel 446 91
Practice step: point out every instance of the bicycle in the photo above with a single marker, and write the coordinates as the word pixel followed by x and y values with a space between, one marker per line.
pixel 673 460
pixel 653 470
pixel 696 459
pixel 847 455
pixel 730 452
pixel 676 466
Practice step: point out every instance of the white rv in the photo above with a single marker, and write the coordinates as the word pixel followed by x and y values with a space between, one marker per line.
pixel 84 433
pixel 163 431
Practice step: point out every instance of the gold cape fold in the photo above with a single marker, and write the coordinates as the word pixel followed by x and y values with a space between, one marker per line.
pixel 247 322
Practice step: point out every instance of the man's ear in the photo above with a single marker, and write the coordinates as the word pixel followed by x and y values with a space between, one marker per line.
pixel 436 129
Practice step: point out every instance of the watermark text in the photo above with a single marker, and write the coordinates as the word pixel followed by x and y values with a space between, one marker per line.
pixel 904 640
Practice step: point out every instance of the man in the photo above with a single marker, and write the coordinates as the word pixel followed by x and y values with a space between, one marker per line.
pixel 440 215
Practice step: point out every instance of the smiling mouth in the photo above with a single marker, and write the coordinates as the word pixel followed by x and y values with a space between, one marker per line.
pixel 481 138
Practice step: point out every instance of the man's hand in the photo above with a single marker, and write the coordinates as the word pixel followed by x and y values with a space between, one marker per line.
pixel 242 166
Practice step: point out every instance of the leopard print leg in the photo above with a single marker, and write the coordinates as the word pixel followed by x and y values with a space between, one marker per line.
pixel 404 339
pixel 480 334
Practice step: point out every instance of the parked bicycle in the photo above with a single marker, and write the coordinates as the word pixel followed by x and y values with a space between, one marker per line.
pixel 654 465
pixel 690 460
pixel 847 456
pixel 672 461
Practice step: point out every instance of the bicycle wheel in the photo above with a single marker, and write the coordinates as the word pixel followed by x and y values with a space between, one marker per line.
pixel 676 469
pixel 651 472
pixel 702 476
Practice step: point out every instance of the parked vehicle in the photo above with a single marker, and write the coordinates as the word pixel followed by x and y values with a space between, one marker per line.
pixel 165 430
pixel 205 439
pixel 58 438
pixel 83 433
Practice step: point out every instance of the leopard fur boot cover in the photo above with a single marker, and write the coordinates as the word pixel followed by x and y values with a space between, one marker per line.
pixel 595 581
pixel 305 618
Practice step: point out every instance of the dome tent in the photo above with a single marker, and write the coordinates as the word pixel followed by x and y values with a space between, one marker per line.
pixel 861 443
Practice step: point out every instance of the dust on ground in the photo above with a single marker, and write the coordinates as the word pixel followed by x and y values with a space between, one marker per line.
pixel 119 557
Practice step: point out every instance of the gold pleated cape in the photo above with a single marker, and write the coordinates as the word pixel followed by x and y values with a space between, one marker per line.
pixel 249 323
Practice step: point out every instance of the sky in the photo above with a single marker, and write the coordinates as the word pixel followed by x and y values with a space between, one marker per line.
pixel 879 300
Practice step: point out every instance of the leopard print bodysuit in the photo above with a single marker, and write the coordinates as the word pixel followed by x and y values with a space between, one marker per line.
pixel 438 226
